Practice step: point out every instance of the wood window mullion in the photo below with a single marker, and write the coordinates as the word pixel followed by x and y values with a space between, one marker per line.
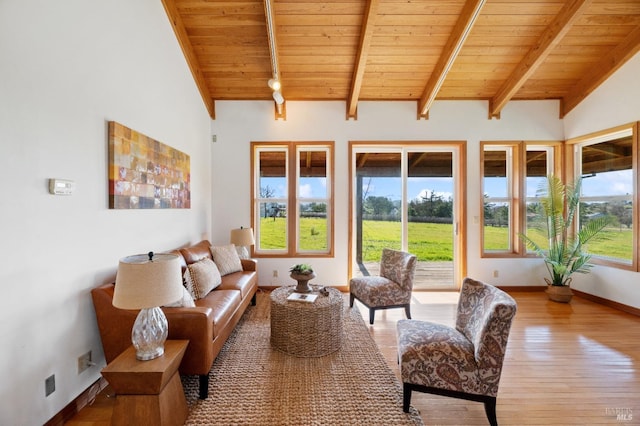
pixel 292 204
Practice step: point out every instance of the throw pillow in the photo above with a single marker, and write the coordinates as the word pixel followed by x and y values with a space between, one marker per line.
pixel 185 301
pixel 227 259
pixel 187 282
pixel 204 276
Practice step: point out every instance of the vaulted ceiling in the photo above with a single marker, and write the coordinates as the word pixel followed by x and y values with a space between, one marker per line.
pixel 404 50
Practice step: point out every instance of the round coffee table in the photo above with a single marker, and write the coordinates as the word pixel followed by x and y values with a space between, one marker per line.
pixel 306 329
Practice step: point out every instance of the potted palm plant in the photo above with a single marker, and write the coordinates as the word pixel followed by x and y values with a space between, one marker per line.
pixel 565 253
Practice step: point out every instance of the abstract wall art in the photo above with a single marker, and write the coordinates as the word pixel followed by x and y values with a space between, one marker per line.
pixel 145 173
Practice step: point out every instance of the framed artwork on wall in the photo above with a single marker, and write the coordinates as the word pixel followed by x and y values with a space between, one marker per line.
pixel 145 173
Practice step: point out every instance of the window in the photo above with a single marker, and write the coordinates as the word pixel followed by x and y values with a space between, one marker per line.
pixel 606 163
pixel 498 192
pixel 292 198
pixel 538 165
pixel 511 174
pixel 409 196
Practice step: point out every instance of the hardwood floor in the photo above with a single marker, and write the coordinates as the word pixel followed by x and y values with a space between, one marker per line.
pixel 566 364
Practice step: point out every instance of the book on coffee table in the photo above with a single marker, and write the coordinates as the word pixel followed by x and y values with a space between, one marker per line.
pixel 302 297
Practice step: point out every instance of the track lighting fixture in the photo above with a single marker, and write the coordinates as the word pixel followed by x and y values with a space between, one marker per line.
pixel 277 97
pixel 274 84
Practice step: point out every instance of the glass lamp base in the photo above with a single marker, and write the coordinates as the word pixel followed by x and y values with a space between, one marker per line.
pixel 149 333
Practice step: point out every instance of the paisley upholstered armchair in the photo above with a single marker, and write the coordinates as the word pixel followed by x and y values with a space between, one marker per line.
pixel 462 362
pixel 392 289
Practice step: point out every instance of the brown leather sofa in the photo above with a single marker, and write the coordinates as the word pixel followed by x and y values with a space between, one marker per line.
pixel 207 325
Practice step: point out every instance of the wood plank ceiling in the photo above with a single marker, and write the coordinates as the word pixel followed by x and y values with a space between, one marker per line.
pixel 403 50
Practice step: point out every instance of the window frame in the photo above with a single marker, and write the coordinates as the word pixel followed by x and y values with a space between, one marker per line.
pixel 516 191
pixel 573 170
pixel 293 199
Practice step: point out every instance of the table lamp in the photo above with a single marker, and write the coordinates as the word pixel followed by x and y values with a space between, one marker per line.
pixel 242 238
pixel 147 282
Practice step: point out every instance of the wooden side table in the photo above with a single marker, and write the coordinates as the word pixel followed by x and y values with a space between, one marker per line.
pixel 148 392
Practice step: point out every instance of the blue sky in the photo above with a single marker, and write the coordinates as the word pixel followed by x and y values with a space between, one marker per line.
pixel 417 187
pixel 610 183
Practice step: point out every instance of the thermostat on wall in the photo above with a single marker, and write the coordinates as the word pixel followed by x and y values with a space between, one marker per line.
pixel 61 186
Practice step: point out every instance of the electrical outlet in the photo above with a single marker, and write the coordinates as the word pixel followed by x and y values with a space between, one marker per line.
pixel 495 273
pixel 84 362
pixel 49 385
pixel 275 273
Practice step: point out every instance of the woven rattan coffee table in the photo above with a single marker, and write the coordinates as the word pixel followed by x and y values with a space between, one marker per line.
pixel 306 329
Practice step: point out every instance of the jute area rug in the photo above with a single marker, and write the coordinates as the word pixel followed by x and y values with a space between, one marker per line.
pixel 252 384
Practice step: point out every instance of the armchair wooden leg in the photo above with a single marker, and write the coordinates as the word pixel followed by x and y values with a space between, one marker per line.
pixel 351 298
pixel 254 299
pixel 204 386
pixel 406 397
pixel 372 315
pixel 407 310
pixel 490 409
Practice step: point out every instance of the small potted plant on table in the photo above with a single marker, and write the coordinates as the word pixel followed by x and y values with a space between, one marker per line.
pixel 303 273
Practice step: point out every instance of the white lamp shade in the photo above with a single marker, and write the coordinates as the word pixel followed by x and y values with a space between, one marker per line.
pixel 143 283
pixel 242 237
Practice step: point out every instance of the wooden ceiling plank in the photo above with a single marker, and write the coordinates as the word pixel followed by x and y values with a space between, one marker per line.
pixel 563 22
pixel 598 73
pixel 467 18
pixel 368 25
pixel 321 53
pixel 189 54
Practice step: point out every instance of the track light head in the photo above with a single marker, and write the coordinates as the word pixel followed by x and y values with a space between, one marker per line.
pixel 274 84
pixel 277 96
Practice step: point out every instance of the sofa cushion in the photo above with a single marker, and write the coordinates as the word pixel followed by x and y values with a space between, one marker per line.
pixel 243 281
pixel 196 252
pixel 204 277
pixel 223 304
pixel 227 259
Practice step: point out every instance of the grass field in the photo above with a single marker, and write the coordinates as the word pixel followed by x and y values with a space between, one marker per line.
pixel 429 241
pixel 613 243
pixel 313 233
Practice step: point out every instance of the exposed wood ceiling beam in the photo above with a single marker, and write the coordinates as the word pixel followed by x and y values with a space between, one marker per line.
pixel 280 111
pixel 363 159
pixel 552 35
pixel 461 30
pixel 402 50
pixel 361 62
pixel 189 54
pixel 603 70
pixel 418 160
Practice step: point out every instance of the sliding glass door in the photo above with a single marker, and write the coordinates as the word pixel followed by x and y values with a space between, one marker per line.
pixel 405 196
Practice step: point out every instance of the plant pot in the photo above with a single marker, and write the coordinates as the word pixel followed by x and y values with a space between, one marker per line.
pixel 559 293
pixel 303 282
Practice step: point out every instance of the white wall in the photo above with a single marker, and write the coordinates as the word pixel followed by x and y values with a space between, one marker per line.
pixel 239 123
pixel 66 68
pixel 615 102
